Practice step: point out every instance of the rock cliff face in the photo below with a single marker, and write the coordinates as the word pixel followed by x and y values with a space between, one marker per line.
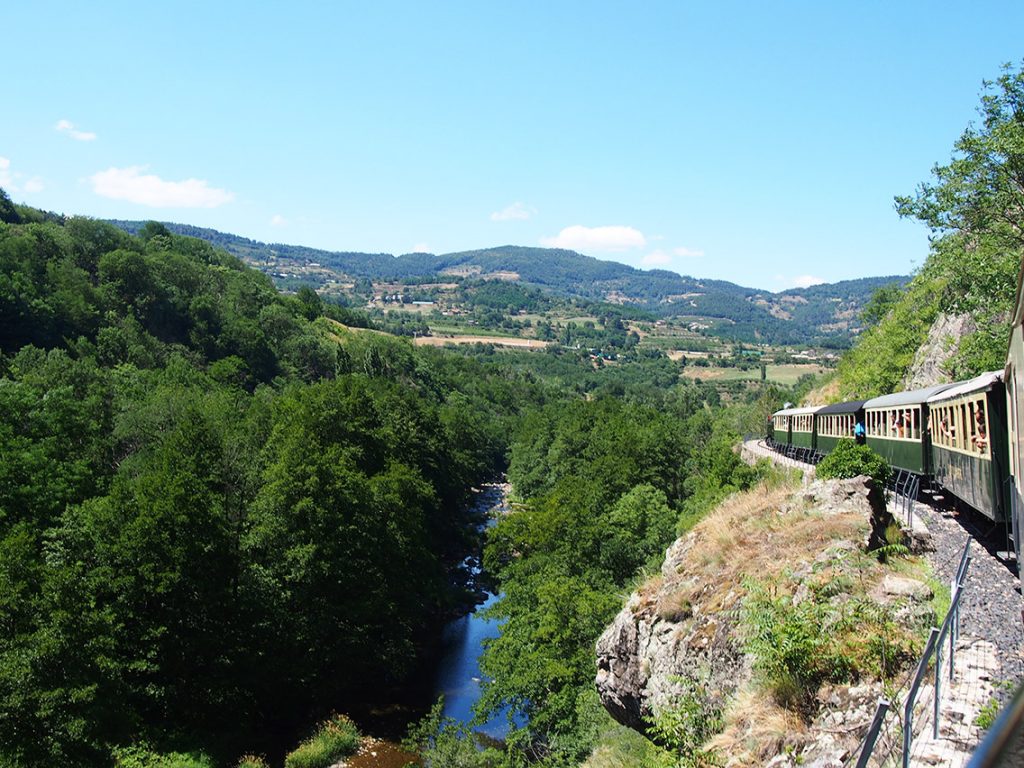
pixel 684 627
pixel 942 343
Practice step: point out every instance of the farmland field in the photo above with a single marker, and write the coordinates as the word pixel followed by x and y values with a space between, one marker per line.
pixel 505 341
pixel 786 375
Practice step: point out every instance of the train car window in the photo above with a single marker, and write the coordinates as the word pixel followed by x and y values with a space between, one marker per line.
pixel 980 427
pixel 942 431
pixel 897 423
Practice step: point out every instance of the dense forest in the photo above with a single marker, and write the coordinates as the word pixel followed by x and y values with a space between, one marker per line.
pixel 213 497
pixel 226 512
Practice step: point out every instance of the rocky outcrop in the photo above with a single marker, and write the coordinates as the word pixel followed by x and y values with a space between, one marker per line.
pixel 681 631
pixel 661 637
pixel 928 367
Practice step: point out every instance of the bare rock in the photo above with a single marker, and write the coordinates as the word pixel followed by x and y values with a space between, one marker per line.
pixel 901 586
pixel 942 343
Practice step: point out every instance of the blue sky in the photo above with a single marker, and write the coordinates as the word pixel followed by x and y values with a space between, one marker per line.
pixel 755 142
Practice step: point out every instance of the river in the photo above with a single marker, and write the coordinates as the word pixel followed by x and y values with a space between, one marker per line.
pixel 457 673
pixel 462 641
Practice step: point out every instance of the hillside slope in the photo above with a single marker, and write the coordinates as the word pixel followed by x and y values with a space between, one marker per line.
pixel 821 314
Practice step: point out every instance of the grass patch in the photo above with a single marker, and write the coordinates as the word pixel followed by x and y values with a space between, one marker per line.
pixel 252 761
pixel 334 739
pixel 758 729
pixel 622 747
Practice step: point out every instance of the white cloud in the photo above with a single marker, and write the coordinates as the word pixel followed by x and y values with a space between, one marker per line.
pixel 11 180
pixel 516 212
pixel 580 238
pixel 67 127
pixel 277 220
pixel 656 258
pixel 129 184
pixel 421 248
pixel 687 253
pixel 806 281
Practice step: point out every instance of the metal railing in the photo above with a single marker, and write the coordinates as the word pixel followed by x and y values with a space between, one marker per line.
pixel 937 638
pixel 905 486
pixel 872 736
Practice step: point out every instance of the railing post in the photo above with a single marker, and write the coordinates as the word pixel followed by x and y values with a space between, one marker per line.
pixel 938 689
pixel 872 734
pixel 908 707
pixel 954 630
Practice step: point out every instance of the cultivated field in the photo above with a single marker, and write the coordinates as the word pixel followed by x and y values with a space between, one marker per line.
pixel 786 375
pixel 504 341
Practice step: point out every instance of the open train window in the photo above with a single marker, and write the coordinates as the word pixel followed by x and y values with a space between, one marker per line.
pixel 962 426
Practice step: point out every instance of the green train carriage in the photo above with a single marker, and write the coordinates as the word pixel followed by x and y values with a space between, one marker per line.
pixel 794 428
pixel 968 436
pixel 896 428
pixel 801 428
pixel 837 422
pixel 1013 380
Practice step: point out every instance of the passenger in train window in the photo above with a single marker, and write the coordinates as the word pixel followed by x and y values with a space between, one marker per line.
pixel 897 424
pixel 980 438
pixel 945 431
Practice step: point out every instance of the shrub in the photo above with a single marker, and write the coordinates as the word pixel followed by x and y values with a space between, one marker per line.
pixel 142 757
pixel 797 646
pixel 336 738
pixel 850 460
pixel 252 761
pixel 686 724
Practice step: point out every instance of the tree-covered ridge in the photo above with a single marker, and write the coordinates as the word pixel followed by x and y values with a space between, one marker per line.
pixel 817 315
pixel 974 207
pixel 221 509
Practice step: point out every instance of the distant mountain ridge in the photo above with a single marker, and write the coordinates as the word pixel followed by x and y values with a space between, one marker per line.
pixel 822 314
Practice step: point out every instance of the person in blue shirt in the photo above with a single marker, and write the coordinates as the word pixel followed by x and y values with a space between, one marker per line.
pixel 858 433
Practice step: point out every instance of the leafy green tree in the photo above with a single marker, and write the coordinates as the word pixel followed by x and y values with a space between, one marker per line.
pixel 975 208
pixel 8 213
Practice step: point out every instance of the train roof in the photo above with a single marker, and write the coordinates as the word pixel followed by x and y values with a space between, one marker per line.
pixel 977 384
pixel 797 411
pixel 913 397
pixel 850 407
pixel 1018 314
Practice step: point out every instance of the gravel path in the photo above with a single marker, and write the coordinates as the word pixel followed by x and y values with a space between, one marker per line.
pixel 990 608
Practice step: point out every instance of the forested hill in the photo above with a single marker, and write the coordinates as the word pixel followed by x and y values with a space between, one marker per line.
pixel 794 316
